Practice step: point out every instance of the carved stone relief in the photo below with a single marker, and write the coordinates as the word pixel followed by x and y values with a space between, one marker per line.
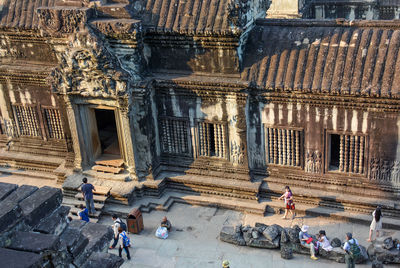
pixel 384 170
pixel 313 161
pixel 237 153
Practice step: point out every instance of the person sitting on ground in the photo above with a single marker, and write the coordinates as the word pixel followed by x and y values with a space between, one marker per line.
pixel 115 226
pixel 225 264
pixel 165 223
pixel 307 241
pixel 83 213
pixel 323 241
pixel 124 243
pixel 352 249
pixel 376 224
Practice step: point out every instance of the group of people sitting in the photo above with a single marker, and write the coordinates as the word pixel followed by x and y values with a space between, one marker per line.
pixel 351 246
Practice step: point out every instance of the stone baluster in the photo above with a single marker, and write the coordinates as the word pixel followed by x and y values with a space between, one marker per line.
pixel 175 129
pixel 341 153
pixel 297 148
pixel 351 154
pixel 201 138
pixel 207 138
pixel 223 138
pixel 215 134
pixel 284 146
pixel 275 145
pixel 346 153
pixel 288 147
pixel 280 146
pixel 293 148
pixel 219 128
pixel 270 145
pixel 356 150
pixel 361 155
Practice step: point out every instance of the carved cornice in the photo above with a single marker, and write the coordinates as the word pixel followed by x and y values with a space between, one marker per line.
pixel 37 79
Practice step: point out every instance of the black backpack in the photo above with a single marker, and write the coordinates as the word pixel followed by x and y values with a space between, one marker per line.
pixel 122 225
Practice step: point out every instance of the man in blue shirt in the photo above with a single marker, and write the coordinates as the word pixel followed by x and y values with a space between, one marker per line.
pixel 87 192
pixel 348 258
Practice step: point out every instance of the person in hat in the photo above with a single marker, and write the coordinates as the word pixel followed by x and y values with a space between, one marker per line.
pixel 225 264
pixel 307 241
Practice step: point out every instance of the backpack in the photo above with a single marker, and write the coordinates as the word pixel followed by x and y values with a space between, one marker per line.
pixel 122 225
pixel 354 251
pixel 125 239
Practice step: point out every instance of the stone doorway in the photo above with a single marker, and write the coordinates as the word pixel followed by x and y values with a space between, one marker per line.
pixel 109 159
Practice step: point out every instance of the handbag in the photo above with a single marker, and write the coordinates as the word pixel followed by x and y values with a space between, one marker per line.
pixel 309 240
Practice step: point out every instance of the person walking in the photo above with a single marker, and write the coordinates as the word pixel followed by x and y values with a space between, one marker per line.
pixel 352 249
pixel 289 204
pixel 307 241
pixel 87 192
pixel 115 226
pixel 124 243
pixel 376 224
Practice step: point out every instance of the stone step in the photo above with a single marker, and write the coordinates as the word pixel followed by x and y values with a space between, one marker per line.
pixel 110 161
pixel 28 173
pixel 74 211
pixel 106 169
pixel 75 203
pixel 96 198
pixel 309 210
pixel 335 199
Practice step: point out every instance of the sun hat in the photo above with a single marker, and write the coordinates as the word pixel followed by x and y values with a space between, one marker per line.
pixel 304 228
pixel 225 264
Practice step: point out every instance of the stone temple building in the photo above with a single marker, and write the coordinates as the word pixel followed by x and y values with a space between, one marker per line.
pixel 218 97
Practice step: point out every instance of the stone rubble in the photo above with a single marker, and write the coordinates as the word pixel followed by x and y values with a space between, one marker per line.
pixel 285 239
pixel 34 232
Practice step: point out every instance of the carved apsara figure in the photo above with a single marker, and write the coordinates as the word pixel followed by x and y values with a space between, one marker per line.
pixel 318 162
pixel 309 161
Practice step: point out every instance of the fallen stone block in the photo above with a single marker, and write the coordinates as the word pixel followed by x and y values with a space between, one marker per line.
pixel 6 189
pixel 21 193
pixel 40 204
pixel 376 251
pixel 19 259
pixel 103 260
pixel 272 231
pixel 54 223
pixel 10 214
pixel 286 252
pixel 34 242
pixel 263 242
pixel 74 241
pixel 229 234
pixel 336 243
pixel 336 254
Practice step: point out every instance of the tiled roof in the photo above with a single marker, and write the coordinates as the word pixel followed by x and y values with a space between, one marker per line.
pixel 21 13
pixel 350 58
pixel 186 15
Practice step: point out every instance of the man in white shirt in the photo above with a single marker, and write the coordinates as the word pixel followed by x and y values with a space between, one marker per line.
pixel 115 227
pixel 349 260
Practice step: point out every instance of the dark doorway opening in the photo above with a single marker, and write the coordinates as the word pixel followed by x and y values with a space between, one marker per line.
pixel 107 130
pixel 335 152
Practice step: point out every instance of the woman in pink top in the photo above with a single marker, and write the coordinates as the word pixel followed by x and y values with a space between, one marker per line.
pixel 289 205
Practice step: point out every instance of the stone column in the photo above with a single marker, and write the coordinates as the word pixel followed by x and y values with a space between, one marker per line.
pixel 127 140
pixel 72 121
pixel 284 9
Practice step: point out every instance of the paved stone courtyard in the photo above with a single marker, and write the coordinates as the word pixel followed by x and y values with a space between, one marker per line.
pixel 194 241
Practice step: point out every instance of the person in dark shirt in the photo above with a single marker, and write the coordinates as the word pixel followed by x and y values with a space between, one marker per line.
pixel 165 223
pixel 83 214
pixel 87 192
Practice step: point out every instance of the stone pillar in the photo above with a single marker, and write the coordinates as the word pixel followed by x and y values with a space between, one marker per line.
pixel 125 129
pixel 284 9
pixel 72 121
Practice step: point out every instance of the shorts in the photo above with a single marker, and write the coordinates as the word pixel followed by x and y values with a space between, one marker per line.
pixel 290 206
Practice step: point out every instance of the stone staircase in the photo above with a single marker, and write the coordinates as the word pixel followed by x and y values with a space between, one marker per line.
pixel 109 164
pixel 99 197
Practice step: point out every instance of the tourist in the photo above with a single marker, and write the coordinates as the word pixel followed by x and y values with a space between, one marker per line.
pixel 87 192
pixel 124 243
pixel 323 241
pixel 165 223
pixel 225 264
pixel 115 226
pixel 376 224
pixel 83 213
pixel 289 204
pixel 307 241
pixel 352 249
